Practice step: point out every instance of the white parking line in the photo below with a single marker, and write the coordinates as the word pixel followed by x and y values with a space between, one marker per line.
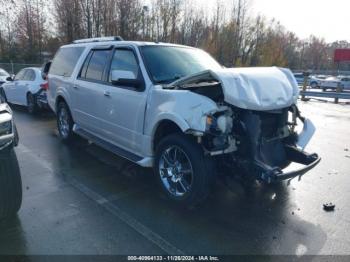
pixel 112 208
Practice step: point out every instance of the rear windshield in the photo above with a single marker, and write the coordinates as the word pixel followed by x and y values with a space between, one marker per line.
pixel 65 60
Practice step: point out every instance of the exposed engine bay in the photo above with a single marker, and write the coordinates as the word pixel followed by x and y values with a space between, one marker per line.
pixel 259 142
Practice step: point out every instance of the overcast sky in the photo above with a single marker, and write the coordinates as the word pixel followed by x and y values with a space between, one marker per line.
pixel 329 19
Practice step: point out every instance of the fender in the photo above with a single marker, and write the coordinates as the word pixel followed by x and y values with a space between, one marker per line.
pixel 62 92
pixel 186 109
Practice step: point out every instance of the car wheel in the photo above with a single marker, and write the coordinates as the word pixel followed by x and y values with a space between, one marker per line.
pixel 64 122
pixel 313 85
pixel 10 184
pixel 2 95
pixel 31 104
pixel 184 174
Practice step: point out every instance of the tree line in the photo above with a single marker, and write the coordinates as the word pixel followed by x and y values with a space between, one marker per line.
pixel 32 30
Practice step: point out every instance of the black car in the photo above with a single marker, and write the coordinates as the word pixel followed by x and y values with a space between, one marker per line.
pixel 10 178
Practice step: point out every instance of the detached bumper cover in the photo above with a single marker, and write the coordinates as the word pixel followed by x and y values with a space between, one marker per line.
pixel 294 155
pixel 41 99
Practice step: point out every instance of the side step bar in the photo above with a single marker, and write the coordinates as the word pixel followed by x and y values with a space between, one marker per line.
pixel 108 146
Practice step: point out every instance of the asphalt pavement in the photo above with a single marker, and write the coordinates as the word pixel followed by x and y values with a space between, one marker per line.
pixel 80 199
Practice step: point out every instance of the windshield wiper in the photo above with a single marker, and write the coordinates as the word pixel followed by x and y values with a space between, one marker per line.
pixel 169 80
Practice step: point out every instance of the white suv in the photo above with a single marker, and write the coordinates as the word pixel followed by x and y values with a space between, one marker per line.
pixel 176 109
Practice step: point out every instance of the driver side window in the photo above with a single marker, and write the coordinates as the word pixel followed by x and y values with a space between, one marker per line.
pixel 124 60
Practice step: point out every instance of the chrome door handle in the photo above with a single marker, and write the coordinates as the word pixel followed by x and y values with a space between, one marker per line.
pixel 107 93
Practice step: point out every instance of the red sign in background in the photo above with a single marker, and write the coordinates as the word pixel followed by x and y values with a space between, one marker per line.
pixel 342 55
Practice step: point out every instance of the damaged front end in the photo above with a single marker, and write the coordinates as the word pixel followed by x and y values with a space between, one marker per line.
pixel 260 143
pixel 255 129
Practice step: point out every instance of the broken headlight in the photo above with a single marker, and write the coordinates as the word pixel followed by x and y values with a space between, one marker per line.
pixel 5 128
pixel 221 123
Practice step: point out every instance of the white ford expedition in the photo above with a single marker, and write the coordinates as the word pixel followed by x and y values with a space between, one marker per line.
pixel 176 109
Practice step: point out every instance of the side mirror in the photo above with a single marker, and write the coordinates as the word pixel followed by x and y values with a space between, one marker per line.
pixel 9 79
pixel 125 78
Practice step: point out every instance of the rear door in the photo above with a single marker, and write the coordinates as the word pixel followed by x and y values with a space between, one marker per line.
pixel 24 85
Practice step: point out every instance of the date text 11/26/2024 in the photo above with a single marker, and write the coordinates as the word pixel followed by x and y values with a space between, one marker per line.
pixel 173 258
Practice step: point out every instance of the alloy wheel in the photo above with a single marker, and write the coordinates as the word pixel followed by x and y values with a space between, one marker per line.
pixel 176 171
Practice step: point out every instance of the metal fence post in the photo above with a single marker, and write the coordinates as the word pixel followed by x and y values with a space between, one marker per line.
pixel 336 100
pixel 306 77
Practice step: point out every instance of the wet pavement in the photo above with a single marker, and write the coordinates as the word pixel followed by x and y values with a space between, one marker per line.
pixel 80 199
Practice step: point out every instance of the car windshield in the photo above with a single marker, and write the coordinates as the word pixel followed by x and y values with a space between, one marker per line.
pixel 169 63
pixel 3 73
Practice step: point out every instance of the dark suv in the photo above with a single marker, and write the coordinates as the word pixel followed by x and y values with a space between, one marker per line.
pixel 10 178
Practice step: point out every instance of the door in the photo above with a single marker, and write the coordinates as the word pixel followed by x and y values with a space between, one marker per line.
pixel 88 90
pixel 24 85
pixel 11 87
pixel 123 106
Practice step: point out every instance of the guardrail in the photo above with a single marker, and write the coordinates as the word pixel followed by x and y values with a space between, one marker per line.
pixel 326 94
pixel 335 95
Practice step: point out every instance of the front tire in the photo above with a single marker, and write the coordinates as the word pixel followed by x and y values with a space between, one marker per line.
pixel 64 122
pixel 184 173
pixel 10 184
pixel 313 85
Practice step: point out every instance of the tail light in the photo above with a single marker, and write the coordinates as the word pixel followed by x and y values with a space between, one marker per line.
pixel 45 86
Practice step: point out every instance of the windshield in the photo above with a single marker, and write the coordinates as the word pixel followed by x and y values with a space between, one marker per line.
pixel 3 73
pixel 168 63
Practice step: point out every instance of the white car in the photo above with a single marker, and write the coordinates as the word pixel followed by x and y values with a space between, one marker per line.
pixel 26 89
pixel 312 81
pixel 333 82
pixel 176 109
pixel 3 76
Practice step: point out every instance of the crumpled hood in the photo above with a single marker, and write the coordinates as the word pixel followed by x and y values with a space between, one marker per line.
pixel 254 88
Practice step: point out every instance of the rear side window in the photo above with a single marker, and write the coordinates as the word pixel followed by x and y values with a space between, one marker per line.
pixel 29 75
pixel 95 65
pixel 65 61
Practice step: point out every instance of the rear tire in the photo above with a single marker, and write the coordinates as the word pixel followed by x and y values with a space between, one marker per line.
pixel 10 184
pixel 32 106
pixel 64 122
pixel 184 173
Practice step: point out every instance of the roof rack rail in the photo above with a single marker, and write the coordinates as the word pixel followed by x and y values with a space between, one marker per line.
pixel 98 39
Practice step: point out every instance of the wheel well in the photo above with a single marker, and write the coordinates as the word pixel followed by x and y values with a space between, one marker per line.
pixel 165 127
pixel 59 100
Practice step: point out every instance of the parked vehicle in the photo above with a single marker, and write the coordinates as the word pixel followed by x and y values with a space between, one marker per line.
pixel 333 82
pixel 299 77
pixel 3 76
pixel 10 178
pixel 26 89
pixel 312 81
pixel 174 108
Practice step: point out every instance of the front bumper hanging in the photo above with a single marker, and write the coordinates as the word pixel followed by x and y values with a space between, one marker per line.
pixel 294 155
